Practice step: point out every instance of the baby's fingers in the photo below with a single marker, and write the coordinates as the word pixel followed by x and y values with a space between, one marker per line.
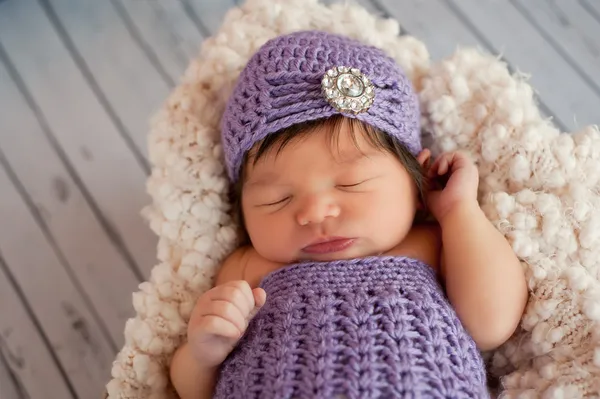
pixel 260 297
pixel 217 326
pixel 443 166
pixel 227 311
pixel 440 166
pixel 449 162
pixel 237 294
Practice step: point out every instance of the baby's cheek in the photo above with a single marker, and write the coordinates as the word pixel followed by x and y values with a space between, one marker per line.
pixel 372 205
pixel 259 229
pixel 272 236
pixel 388 214
pixel 364 212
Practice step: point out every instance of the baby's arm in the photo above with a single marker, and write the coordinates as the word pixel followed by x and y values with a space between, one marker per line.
pixel 483 277
pixel 190 378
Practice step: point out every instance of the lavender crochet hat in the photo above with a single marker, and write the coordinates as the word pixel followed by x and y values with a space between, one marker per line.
pixel 310 75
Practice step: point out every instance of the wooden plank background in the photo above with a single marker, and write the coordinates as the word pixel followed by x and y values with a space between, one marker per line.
pixel 79 80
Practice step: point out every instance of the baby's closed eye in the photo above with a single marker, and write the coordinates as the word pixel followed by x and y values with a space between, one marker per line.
pixel 355 184
pixel 350 184
pixel 277 202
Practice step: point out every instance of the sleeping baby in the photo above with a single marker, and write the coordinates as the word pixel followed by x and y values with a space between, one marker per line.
pixel 368 269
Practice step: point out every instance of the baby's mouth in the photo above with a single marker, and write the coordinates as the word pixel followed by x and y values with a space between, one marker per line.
pixel 329 245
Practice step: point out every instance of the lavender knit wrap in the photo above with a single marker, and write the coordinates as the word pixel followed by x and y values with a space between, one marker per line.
pixel 281 86
pixel 376 327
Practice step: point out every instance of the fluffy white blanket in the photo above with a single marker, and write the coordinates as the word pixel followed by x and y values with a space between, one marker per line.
pixel 538 186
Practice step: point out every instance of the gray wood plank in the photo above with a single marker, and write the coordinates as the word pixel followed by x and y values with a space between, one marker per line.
pixel 208 15
pixel 133 86
pixel 101 269
pixel 570 99
pixel 76 335
pixel 592 7
pixel 571 31
pixel 82 126
pixel 167 31
pixel 10 387
pixel 26 362
pixel 368 5
pixel 433 23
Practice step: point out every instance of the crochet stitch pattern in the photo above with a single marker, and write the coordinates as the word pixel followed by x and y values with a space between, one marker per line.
pixel 376 327
pixel 281 86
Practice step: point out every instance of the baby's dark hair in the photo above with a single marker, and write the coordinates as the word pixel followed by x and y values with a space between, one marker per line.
pixel 374 136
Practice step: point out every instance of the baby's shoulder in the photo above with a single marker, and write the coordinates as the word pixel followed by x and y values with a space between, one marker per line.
pixel 245 264
pixel 423 242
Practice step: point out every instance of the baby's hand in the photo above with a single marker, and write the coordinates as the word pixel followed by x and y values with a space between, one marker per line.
pixel 219 320
pixel 459 182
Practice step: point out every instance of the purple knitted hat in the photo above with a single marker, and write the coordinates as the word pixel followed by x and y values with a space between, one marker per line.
pixel 311 75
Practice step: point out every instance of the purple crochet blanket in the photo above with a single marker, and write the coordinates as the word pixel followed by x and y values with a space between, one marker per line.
pixel 377 327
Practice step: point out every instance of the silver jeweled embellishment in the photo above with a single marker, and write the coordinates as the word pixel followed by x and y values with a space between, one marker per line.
pixel 350 85
pixel 347 89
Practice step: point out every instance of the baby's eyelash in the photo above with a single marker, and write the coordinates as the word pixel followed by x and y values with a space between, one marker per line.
pixel 351 185
pixel 276 202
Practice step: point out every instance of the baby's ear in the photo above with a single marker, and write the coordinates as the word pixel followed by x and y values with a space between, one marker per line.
pixel 424 158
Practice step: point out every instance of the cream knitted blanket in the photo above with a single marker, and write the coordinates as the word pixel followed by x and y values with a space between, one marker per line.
pixel 538 186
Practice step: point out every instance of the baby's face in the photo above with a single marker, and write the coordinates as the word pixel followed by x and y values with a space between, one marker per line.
pixel 358 202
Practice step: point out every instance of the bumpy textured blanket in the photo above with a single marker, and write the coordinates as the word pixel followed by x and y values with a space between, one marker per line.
pixel 538 186
pixel 377 327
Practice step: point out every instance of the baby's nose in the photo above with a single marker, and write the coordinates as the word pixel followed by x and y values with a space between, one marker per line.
pixel 316 210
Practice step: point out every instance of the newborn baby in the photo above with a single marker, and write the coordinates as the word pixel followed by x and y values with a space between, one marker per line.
pixel 344 288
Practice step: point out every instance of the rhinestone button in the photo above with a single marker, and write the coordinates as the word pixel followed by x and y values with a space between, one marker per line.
pixel 347 89
pixel 350 85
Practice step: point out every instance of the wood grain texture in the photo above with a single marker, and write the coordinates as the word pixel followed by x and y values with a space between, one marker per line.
pixel 165 30
pixel 571 30
pixel 28 369
pixel 65 314
pixel 82 126
pixel 64 210
pixel 433 23
pixel 370 6
pixel 129 81
pixel 208 15
pixel 10 386
pixel 592 7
